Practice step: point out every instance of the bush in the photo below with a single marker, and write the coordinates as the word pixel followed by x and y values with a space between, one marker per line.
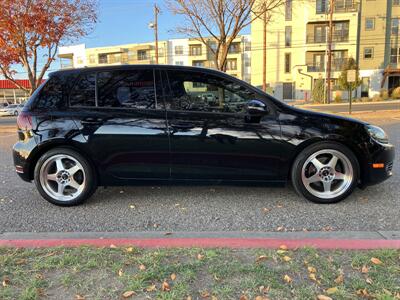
pixel 377 98
pixel 338 98
pixel 365 99
pixel 384 94
pixel 396 93
pixel 317 94
pixel 357 100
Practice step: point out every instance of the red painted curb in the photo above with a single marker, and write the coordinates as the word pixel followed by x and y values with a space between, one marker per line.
pixel 207 243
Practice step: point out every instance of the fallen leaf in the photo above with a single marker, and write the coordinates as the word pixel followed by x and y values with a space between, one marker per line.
pixel 364 270
pixel 129 249
pixel 168 233
pixel 142 267
pixel 312 276
pixel 79 297
pixel 120 272
pixel 173 276
pixel 39 276
pixel 189 298
pixel 204 294
pixel 243 297
pixel 216 277
pixel 286 258
pixel 368 280
pixel 376 261
pixel 261 258
pixel 265 210
pixel 281 252
pixel 331 290
pixel 264 289
pixel 280 228
pixel 151 288
pixel 21 261
pixel 287 278
pixel 323 297
pixel 200 256
pixel 339 279
pixel 214 297
pixel 165 286
pixel 311 270
pixel 132 206
pixel 362 292
pixel 128 294
pixel 283 247
pixel 113 246
pixel 6 281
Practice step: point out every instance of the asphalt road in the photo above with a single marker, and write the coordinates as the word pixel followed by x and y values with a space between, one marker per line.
pixel 196 208
pixel 338 108
pixel 8 121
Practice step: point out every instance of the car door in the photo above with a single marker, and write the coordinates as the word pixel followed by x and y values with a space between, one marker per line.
pixel 124 123
pixel 214 137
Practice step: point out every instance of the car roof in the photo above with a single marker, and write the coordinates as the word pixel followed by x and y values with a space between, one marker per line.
pixel 141 66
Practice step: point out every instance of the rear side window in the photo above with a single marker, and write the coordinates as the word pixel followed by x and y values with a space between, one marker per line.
pixel 84 91
pixel 51 94
pixel 127 88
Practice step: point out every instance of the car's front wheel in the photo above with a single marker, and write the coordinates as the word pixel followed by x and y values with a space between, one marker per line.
pixel 64 177
pixel 325 172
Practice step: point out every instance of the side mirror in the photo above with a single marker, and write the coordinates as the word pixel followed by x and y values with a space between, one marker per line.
pixel 256 107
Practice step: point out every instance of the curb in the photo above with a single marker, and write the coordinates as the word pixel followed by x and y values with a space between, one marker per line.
pixel 268 240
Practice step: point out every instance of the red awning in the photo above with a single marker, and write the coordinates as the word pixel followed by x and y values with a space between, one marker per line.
pixel 8 84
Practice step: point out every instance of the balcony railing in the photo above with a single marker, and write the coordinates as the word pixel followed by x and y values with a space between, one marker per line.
pixel 336 38
pixel 337 65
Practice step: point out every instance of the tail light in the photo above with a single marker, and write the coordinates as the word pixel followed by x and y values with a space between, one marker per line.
pixel 24 121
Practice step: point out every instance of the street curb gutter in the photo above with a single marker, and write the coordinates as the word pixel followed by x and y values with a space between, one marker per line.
pixel 319 240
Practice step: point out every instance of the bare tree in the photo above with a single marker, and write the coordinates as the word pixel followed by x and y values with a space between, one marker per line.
pixel 220 21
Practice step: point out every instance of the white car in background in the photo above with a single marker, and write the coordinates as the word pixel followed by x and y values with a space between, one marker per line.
pixel 11 110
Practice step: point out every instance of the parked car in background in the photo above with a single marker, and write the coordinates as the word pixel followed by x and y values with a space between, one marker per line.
pixel 11 110
pixel 122 125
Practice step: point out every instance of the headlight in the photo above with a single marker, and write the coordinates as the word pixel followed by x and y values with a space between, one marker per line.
pixel 377 134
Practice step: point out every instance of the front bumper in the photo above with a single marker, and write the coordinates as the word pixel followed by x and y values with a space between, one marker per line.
pixel 380 167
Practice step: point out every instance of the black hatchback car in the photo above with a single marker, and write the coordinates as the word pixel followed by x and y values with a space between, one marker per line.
pixel 125 125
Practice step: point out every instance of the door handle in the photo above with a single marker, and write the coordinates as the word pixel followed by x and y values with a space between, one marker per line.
pixel 92 121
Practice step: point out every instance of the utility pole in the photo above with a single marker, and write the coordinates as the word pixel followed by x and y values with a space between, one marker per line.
pixel 330 36
pixel 264 82
pixel 155 27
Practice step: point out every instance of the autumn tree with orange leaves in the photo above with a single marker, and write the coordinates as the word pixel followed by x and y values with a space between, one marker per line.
pixel 32 30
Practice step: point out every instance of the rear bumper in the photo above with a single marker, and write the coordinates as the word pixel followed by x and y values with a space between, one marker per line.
pixel 22 155
pixel 380 167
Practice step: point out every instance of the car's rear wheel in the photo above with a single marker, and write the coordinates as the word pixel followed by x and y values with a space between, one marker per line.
pixel 64 177
pixel 325 172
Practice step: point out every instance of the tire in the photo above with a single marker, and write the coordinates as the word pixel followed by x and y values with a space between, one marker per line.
pixel 66 168
pixel 320 178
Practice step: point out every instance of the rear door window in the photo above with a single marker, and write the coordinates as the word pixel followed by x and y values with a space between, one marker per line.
pixel 83 92
pixel 127 89
pixel 51 94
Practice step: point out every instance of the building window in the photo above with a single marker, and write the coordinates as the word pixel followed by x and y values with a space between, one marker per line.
pixel 198 63
pixel 142 55
pixel 195 50
pixel 231 64
pixel 234 48
pixel 288 10
pixel 369 23
pixel 394 55
pixel 288 36
pixel 368 53
pixel 320 34
pixel 92 59
pixel 287 62
pixel 321 6
pixel 79 60
pixel 247 46
pixel 395 26
pixel 179 63
pixel 103 59
pixel 178 50
pixel 131 54
pixel 396 2
pixel 341 31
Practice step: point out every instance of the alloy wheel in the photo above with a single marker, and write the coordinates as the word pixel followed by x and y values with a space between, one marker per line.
pixel 327 174
pixel 62 177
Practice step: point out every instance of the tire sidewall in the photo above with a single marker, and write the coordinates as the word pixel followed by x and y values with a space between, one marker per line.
pixel 302 157
pixel 90 177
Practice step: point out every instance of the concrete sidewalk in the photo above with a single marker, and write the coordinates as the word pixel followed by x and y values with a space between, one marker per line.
pixel 317 239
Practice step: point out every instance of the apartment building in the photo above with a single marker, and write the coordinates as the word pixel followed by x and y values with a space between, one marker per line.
pixel 187 52
pixel 297 45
